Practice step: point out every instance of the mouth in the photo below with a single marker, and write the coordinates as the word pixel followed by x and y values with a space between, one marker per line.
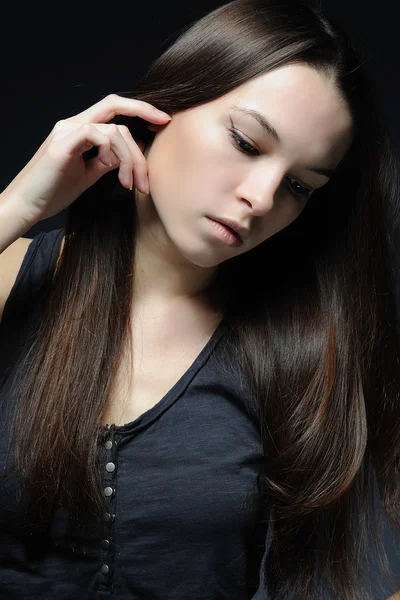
pixel 235 233
pixel 226 233
pixel 241 231
pixel 229 228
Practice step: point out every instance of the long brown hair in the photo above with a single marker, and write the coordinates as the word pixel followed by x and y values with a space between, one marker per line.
pixel 314 320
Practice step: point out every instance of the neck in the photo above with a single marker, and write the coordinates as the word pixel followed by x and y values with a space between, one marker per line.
pixel 162 273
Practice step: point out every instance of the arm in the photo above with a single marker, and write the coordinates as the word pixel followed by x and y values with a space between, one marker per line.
pixel 13 225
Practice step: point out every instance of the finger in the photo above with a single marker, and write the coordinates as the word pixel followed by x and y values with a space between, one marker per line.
pixel 112 105
pixel 140 167
pixel 141 145
pixel 82 139
pixel 126 154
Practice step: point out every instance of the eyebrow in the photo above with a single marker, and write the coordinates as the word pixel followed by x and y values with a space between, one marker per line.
pixel 266 125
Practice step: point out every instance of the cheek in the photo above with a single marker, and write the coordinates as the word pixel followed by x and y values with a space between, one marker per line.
pixel 190 158
pixel 291 208
pixel 170 160
pixel 278 219
pixel 164 170
pixel 291 216
pixel 159 160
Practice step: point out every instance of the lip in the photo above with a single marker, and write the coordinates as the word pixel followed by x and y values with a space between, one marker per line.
pixel 226 235
pixel 241 232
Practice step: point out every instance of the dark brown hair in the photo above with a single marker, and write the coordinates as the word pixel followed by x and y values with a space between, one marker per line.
pixel 314 321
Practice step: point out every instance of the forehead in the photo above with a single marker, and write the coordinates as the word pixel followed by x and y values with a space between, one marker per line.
pixel 303 105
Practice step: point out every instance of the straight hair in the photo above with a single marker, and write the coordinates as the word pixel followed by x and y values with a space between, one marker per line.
pixel 312 316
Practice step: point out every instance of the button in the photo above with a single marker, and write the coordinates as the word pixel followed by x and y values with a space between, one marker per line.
pixel 110 467
pixel 107 518
pixel 108 445
pixel 105 569
pixel 106 544
pixel 108 491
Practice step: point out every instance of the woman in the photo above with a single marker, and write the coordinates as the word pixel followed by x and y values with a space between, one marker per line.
pixel 200 374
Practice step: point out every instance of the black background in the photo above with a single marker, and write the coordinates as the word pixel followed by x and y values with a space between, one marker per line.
pixel 58 60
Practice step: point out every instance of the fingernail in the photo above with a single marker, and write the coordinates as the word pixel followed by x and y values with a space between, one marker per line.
pixel 164 114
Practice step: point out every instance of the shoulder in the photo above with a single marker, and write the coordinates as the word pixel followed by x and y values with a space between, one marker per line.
pixel 11 260
pixel 10 263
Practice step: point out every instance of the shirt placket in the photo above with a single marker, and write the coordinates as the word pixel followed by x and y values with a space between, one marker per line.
pixel 109 482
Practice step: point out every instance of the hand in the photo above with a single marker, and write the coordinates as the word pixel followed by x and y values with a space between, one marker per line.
pixel 58 174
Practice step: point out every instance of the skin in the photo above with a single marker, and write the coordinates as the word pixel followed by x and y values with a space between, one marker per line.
pixel 195 170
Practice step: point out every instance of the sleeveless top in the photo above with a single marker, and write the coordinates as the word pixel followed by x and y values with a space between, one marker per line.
pixel 183 509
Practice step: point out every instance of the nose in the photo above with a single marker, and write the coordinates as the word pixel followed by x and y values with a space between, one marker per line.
pixel 260 191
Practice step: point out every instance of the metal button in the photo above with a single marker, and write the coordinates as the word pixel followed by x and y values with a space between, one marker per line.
pixel 107 518
pixel 108 491
pixel 105 569
pixel 105 544
pixel 110 467
pixel 108 445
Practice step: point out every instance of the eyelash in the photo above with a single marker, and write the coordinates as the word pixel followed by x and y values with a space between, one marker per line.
pixel 238 140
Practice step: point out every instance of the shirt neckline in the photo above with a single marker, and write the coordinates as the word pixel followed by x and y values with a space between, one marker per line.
pixel 174 392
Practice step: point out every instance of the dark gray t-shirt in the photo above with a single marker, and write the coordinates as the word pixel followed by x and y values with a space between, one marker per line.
pixel 183 519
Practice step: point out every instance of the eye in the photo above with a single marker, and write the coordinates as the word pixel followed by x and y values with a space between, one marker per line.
pixel 249 149
pixel 241 144
pixel 301 190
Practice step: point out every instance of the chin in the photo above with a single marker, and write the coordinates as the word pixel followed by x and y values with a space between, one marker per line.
pixel 206 259
pixel 201 260
pixel 201 257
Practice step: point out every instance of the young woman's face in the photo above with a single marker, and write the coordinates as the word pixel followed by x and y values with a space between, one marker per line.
pixel 217 161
